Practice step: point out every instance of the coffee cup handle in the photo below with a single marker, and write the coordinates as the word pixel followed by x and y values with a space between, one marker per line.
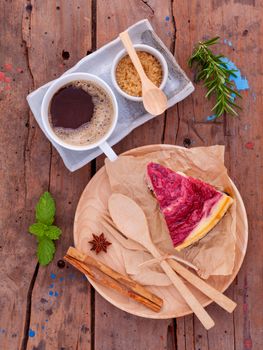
pixel 108 151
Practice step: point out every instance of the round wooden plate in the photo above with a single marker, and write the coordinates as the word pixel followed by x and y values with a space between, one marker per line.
pixel 93 202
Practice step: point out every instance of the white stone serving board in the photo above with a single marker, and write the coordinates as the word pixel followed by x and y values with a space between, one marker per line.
pixel 131 114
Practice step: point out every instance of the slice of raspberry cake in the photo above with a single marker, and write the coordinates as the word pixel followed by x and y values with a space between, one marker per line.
pixel 191 207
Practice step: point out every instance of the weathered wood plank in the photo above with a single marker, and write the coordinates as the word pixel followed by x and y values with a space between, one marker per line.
pixel 193 130
pixel 55 36
pixel 240 26
pixel 118 330
pixel 24 155
pixel 60 311
pixel 244 141
pixel 112 18
pixel 115 329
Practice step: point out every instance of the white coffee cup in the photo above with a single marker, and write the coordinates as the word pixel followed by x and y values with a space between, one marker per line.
pixel 61 82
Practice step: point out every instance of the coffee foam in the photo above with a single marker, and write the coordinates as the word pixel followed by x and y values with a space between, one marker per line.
pixel 100 122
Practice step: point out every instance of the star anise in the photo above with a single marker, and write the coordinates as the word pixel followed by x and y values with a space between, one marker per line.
pixel 99 243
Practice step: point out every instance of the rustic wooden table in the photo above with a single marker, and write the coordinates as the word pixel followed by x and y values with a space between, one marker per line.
pixel 54 307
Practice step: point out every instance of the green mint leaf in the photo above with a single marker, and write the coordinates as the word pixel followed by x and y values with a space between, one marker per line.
pixel 45 250
pixel 45 209
pixel 43 229
pixel 53 232
pixel 38 229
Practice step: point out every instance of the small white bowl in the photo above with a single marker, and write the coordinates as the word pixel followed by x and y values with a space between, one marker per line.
pixel 139 47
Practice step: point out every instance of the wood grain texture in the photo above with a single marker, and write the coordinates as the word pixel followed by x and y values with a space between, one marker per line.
pixel 39 40
pixel 112 18
pixel 59 292
pixel 116 329
pixel 24 153
pixel 240 24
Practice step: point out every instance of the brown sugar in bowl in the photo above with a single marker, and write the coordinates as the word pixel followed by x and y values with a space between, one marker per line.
pixel 125 77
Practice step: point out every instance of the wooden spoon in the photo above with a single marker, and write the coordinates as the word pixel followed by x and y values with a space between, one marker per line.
pixel 154 99
pixel 130 219
pixel 218 297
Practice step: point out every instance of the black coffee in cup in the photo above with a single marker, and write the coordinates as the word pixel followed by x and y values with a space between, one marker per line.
pixel 81 113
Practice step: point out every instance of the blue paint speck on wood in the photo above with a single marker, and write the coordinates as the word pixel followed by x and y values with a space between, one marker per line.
pixel 167 18
pixel 211 117
pixel 61 279
pixel 50 293
pixel 43 327
pixel 31 333
pixel 56 294
pixel 51 286
pixel 53 276
pixel 240 81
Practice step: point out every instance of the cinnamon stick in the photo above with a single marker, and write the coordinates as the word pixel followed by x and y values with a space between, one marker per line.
pixel 110 278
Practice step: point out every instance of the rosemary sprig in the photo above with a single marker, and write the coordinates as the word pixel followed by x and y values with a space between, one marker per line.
pixel 216 76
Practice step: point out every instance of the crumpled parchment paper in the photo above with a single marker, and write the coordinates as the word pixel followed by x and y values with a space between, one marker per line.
pixel 215 253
